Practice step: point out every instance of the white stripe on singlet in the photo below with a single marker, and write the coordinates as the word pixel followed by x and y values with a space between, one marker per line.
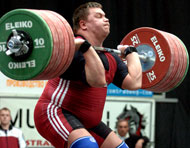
pixel 53 106
pixel 64 93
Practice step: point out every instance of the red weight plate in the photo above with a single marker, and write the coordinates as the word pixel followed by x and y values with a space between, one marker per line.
pixel 66 41
pixel 51 66
pixel 186 58
pixel 52 73
pixel 171 84
pixel 170 76
pixel 172 69
pixel 183 63
pixel 71 39
pixel 64 45
pixel 155 40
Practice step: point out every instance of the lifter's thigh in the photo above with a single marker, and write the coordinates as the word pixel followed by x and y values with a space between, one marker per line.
pixel 111 141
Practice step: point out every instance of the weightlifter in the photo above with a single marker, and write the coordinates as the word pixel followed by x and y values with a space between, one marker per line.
pixel 69 111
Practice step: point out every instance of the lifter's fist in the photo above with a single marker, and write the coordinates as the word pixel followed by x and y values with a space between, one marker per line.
pixel 122 49
pixel 126 49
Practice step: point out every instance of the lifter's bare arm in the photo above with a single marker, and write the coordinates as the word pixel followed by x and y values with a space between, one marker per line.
pixel 133 80
pixel 94 69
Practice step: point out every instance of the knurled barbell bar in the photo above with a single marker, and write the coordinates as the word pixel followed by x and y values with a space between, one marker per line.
pixel 39 45
pixel 143 56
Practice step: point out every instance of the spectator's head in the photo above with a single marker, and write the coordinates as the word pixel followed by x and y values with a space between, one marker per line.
pixel 5 116
pixel 122 127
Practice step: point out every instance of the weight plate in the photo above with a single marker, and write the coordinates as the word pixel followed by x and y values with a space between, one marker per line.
pixel 65 42
pixel 187 59
pixel 71 40
pixel 177 77
pixel 153 39
pixel 185 63
pixel 54 62
pixel 174 65
pixel 34 25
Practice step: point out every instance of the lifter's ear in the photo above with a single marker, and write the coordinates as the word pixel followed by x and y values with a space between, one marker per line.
pixel 82 24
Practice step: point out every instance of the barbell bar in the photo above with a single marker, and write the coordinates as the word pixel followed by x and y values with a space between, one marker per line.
pixel 39 45
pixel 143 56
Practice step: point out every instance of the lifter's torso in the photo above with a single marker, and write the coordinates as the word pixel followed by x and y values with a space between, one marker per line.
pixel 83 101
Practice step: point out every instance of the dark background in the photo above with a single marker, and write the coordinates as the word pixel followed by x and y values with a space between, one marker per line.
pixel 172 120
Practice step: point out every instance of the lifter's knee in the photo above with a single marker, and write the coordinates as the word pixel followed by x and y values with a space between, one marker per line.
pixel 122 145
pixel 85 142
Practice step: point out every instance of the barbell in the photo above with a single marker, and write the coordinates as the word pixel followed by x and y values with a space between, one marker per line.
pixel 39 45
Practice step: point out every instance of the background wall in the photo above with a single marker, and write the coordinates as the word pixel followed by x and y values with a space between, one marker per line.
pixel 125 15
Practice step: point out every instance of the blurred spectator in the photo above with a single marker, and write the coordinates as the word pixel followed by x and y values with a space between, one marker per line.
pixel 132 140
pixel 10 137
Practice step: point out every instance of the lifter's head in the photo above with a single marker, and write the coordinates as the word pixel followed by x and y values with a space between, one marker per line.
pixel 82 12
pixel 89 19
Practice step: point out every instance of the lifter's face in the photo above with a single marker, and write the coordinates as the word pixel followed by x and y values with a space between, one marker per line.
pixel 97 22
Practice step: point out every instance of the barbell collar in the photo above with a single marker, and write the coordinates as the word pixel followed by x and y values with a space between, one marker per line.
pixel 17 44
